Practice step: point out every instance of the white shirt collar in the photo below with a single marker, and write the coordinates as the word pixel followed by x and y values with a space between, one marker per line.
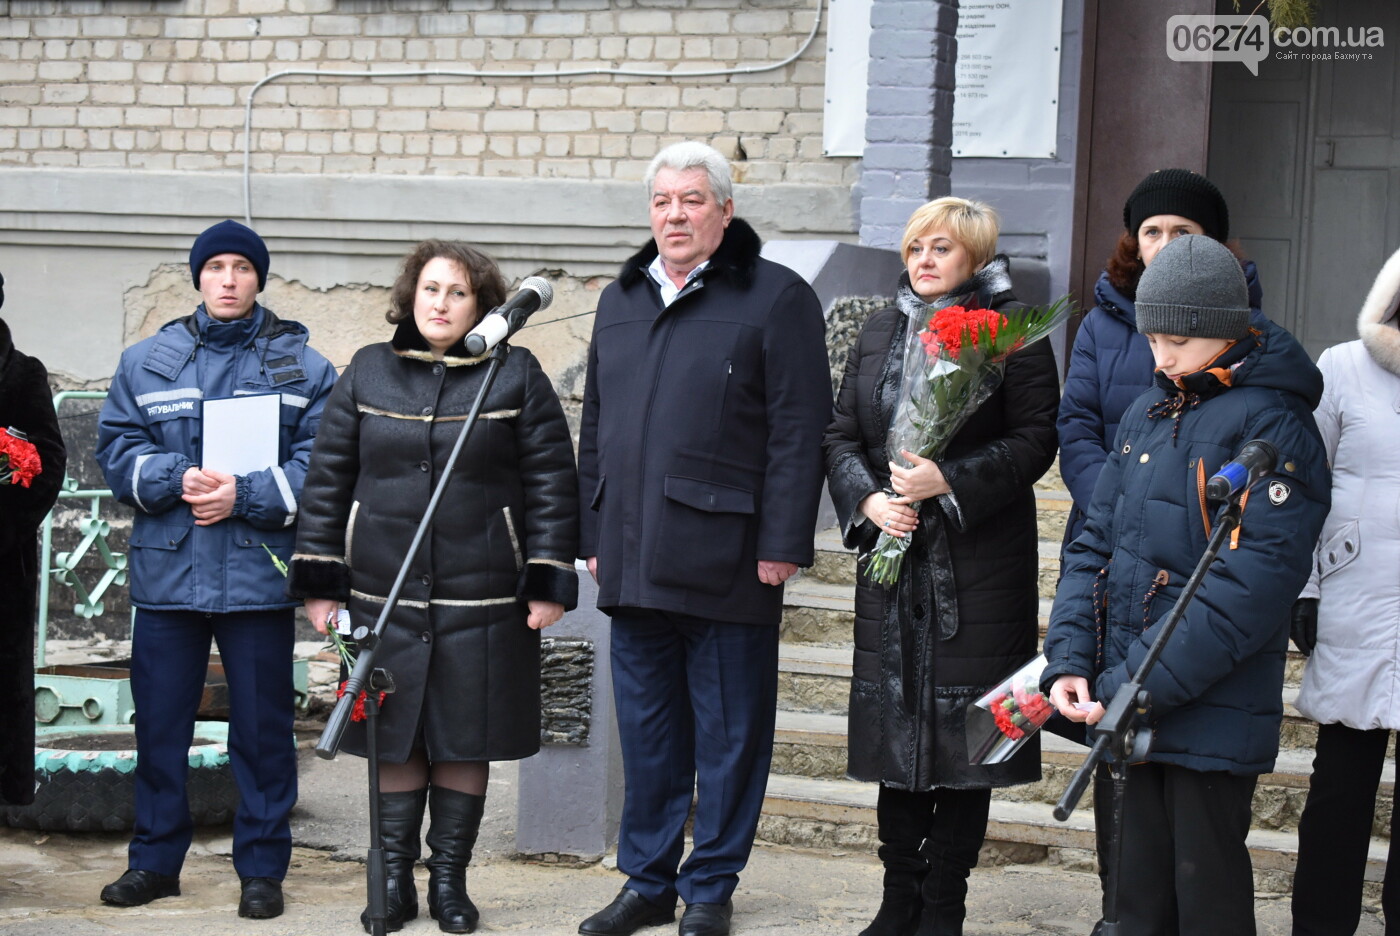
pixel 669 290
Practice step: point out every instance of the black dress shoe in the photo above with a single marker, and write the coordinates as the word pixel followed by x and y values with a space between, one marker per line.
pixel 262 898
pixel 707 919
pixel 135 888
pixel 628 912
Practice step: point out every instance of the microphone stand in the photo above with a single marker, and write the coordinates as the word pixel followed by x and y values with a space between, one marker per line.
pixel 378 679
pixel 1122 734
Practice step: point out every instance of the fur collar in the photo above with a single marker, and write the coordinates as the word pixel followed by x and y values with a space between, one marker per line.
pixel 409 343
pixel 736 258
pixel 1378 323
pixel 988 288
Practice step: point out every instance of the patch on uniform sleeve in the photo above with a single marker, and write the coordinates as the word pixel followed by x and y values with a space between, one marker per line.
pixel 1278 492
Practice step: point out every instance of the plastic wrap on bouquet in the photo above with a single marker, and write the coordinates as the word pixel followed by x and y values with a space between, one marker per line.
pixel 1000 722
pixel 953 362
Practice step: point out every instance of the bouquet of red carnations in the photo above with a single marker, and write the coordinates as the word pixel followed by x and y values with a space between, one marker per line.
pixel 952 363
pixel 1004 718
pixel 19 459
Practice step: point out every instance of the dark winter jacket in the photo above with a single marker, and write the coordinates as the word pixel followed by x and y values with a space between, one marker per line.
pixel 149 433
pixel 466 665
pixel 1217 690
pixel 26 406
pixel 1110 367
pixel 963 614
pixel 700 449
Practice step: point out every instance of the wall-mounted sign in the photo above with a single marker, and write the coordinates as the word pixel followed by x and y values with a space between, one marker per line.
pixel 1008 78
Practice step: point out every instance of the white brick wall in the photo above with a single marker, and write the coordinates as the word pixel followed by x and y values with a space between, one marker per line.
pixel 126 77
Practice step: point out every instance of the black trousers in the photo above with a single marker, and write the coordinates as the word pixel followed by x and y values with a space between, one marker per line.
pixel 1186 869
pixel 1335 834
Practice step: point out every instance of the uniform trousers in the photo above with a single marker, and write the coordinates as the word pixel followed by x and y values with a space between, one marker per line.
pixel 696 704
pixel 170 660
pixel 1186 870
pixel 1334 835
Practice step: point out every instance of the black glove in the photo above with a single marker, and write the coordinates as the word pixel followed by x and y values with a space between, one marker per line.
pixel 1303 627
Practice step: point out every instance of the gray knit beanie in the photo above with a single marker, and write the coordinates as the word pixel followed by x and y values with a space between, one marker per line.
pixel 1195 288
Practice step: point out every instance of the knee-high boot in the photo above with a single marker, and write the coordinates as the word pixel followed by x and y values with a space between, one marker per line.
pixel 903 818
pixel 954 840
pixel 400 820
pixel 455 820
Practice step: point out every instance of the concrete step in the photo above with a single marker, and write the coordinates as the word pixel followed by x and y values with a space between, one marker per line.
pixel 841 814
pixel 813 745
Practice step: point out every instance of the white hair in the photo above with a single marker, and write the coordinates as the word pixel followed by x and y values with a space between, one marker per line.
pixel 693 155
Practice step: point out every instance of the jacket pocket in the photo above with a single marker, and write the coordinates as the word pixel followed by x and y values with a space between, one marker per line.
pixel 597 499
pixel 1340 549
pixel 350 534
pixel 162 571
pixel 514 539
pixel 700 541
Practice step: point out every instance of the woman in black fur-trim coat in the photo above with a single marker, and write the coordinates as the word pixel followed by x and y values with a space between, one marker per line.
pixel 25 405
pixel 962 615
pixel 497 565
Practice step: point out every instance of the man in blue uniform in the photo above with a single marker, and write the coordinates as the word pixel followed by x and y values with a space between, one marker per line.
pixel 199 569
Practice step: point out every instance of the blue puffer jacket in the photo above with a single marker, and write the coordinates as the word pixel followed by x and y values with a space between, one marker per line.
pixel 1111 365
pixel 148 435
pixel 1217 689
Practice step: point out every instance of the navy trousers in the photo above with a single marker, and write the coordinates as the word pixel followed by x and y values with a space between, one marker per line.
pixel 170 656
pixel 696 704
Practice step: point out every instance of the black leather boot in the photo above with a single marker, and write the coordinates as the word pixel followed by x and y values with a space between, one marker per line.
pixel 903 818
pixel 954 840
pixel 400 821
pixel 454 820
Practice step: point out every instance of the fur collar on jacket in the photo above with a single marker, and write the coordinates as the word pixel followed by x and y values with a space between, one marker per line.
pixel 736 258
pixel 1378 323
pixel 408 342
pixel 985 289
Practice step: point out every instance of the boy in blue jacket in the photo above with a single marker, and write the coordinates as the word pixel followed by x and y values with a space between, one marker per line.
pixel 1217 689
pixel 199 570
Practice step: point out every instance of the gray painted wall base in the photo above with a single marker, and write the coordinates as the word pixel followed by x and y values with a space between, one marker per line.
pixel 571 795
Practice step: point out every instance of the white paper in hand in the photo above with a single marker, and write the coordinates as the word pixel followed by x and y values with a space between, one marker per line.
pixel 241 433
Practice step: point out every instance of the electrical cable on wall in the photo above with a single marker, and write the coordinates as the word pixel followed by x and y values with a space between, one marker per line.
pixel 474 73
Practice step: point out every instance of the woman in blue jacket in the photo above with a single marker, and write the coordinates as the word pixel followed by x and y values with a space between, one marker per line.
pixel 1217 689
pixel 1111 363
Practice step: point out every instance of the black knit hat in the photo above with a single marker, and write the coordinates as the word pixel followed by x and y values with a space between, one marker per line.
pixel 1178 192
pixel 229 237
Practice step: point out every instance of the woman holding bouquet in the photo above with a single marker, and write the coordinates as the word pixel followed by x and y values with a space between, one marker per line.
pixel 497 565
pixel 961 614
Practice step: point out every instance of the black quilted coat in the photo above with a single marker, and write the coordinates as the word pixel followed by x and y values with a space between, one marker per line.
pixel 26 405
pixel 506 531
pixel 963 614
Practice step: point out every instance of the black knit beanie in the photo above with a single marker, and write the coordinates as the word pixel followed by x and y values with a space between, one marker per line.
pixel 229 237
pixel 1178 192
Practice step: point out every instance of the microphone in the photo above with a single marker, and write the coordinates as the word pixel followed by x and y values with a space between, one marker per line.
pixel 506 319
pixel 1256 459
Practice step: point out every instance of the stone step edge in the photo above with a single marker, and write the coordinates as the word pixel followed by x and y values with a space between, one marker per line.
pixel 1293 767
pixel 853 802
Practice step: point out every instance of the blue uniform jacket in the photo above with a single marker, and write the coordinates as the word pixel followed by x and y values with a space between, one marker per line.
pixel 149 434
pixel 1217 689
pixel 1110 366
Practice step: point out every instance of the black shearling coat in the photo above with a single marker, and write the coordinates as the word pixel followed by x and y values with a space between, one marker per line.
pixel 963 614
pixel 465 664
pixel 700 446
pixel 26 405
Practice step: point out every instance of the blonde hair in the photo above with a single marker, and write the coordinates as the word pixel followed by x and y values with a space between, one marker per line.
pixel 972 224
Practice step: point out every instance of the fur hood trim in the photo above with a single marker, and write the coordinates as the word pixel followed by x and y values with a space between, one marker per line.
pixel 736 258
pixel 1377 323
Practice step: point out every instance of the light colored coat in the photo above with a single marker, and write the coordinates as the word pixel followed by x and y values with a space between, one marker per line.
pixel 1353 675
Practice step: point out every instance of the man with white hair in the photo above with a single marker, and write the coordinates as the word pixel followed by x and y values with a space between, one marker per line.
pixel 707 394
